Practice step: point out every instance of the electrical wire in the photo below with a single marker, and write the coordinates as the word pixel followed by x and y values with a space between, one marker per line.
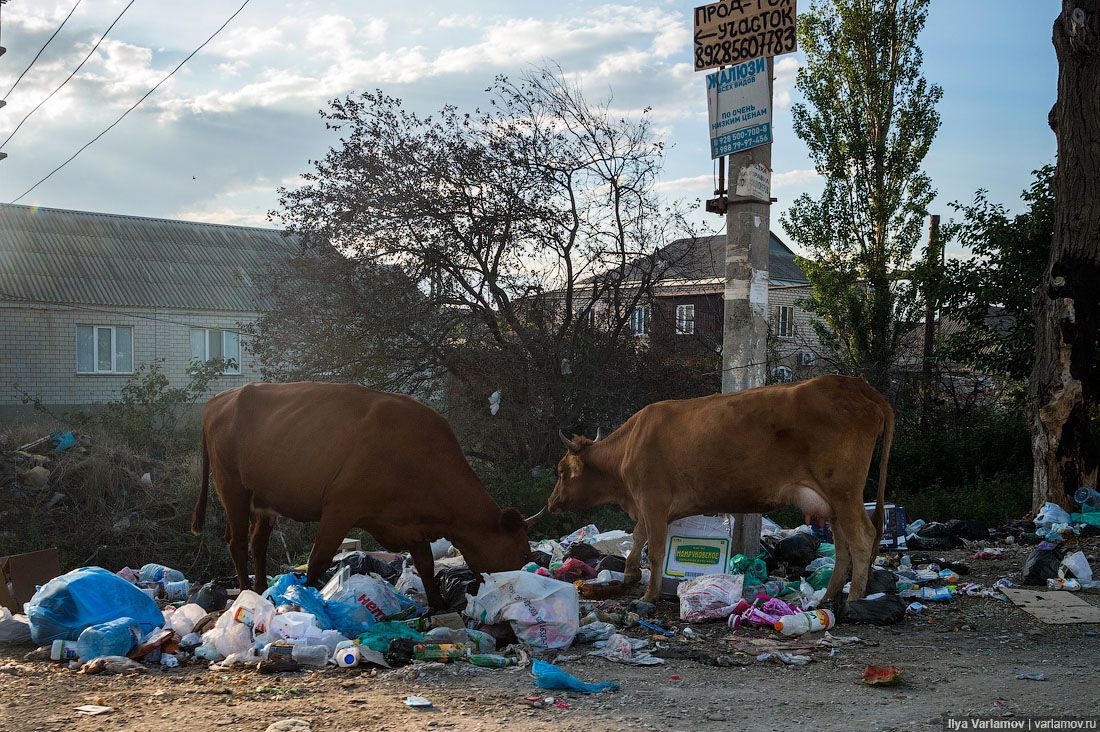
pixel 44 45
pixel 135 105
pixel 70 76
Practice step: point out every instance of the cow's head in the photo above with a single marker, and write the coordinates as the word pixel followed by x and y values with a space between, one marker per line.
pixel 576 489
pixel 502 547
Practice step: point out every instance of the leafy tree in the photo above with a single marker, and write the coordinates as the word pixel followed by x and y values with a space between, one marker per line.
pixel 992 294
pixel 465 253
pixel 868 121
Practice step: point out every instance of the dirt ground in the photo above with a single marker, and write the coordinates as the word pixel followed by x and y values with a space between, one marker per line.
pixel 959 658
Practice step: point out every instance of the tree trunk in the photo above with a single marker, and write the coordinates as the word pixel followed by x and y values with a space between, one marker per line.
pixel 1068 301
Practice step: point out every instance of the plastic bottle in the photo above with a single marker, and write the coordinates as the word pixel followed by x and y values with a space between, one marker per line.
pixel 1087 496
pixel 116 638
pixel 906 564
pixel 160 573
pixel 806 622
pixel 441 651
pixel 347 656
pixel 303 653
pixel 173 591
pixel 63 650
pixel 1058 583
pixel 491 660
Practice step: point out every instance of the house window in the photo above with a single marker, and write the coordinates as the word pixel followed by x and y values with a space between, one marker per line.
pixel 784 321
pixel 782 374
pixel 685 319
pixel 104 349
pixel 208 343
pixel 639 320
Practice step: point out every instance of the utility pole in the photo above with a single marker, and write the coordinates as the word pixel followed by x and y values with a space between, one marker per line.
pixel 931 295
pixel 745 303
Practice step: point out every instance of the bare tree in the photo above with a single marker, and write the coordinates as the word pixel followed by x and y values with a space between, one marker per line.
pixel 1068 302
pixel 525 237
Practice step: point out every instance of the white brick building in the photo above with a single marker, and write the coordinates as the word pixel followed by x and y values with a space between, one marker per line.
pixel 85 298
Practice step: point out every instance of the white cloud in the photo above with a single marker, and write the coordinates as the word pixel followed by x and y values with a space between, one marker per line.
pixel 785 70
pixel 692 184
pixel 331 34
pixel 797 177
pixel 235 217
pixel 239 43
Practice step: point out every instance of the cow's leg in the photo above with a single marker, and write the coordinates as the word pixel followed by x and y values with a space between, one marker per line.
pixel 843 562
pixel 421 553
pixel 656 524
pixel 262 524
pixel 633 572
pixel 859 533
pixel 334 527
pixel 238 512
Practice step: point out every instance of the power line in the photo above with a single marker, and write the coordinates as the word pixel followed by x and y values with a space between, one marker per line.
pixel 135 105
pixel 70 76
pixel 48 41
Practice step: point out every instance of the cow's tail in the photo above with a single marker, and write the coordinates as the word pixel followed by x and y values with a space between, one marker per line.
pixel 198 518
pixel 887 441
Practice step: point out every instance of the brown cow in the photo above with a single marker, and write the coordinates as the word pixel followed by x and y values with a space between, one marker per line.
pixel 807 444
pixel 348 457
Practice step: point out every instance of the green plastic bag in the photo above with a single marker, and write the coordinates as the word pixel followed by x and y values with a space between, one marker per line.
pixel 755 571
pixel 380 634
pixel 820 577
pixel 825 549
pixel 1091 517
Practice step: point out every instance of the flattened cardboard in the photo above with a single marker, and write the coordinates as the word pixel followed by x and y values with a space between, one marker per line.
pixel 1053 608
pixel 20 574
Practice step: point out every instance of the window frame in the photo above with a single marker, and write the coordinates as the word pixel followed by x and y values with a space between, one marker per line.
pixel 685 325
pixel 787 332
pixel 114 370
pixel 228 371
pixel 786 371
pixel 645 318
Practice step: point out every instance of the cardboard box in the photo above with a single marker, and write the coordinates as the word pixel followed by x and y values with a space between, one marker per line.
pixel 350 545
pixel 894 527
pixel 22 574
pixel 695 546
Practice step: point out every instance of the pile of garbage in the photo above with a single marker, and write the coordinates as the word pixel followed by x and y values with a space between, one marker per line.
pixel 372 610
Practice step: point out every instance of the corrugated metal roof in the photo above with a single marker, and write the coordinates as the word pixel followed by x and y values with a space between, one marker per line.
pixel 55 255
pixel 706 257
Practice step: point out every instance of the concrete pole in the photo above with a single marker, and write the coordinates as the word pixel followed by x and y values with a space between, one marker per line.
pixel 745 306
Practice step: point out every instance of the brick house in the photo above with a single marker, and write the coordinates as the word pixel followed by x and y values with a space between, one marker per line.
pixel 686 313
pixel 85 298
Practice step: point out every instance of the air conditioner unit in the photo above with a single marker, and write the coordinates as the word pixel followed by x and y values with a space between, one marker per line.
pixel 807 358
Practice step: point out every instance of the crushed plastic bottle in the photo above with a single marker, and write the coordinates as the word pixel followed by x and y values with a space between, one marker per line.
pixel 63 650
pixel 1087 496
pixel 114 638
pixel 160 573
pixel 806 622
pixel 444 652
pixel 304 654
pixel 490 660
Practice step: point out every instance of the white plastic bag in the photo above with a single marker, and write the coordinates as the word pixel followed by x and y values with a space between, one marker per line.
pixel 247 620
pixel 710 597
pixel 543 612
pixel 621 649
pixel 183 620
pixel 14 628
pixel 1078 566
pixel 1051 514
pixel 410 585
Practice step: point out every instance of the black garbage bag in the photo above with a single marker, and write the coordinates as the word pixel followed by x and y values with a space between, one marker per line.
pixel 1041 565
pixel 400 652
pixel 363 563
pixel 210 597
pixel 797 551
pixel 542 559
pixel 584 552
pixel 968 529
pixel 885 610
pixel 612 563
pixel 454 584
pixel 929 543
pixel 881 580
pixel 767 551
pixel 934 530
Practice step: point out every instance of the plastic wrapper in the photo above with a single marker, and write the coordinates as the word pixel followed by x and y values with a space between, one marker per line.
pixel 183 620
pixel 620 649
pixel 68 604
pixel 410 585
pixel 710 597
pixel 543 612
pixel 549 676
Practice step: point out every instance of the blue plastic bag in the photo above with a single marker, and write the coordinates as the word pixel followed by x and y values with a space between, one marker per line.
pixel 549 676
pixel 68 604
pixel 276 593
pixel 310 600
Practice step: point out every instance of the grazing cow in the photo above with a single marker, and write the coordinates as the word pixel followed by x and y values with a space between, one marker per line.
pixel 348 457
pixel 808 444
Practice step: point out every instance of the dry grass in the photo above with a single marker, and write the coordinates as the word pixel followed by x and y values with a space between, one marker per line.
pixel 106 516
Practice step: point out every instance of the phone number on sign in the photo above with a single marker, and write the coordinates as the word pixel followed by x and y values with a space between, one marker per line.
pixel 765 43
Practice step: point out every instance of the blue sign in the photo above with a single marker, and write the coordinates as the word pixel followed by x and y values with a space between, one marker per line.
pixel 739 107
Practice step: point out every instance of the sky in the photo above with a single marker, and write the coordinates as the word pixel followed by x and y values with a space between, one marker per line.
pixel 241 118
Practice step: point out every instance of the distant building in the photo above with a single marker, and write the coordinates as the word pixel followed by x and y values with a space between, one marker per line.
pixel 688 305
pixel 85 298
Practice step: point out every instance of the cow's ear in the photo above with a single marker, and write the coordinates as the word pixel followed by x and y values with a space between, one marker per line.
pixel 511 520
